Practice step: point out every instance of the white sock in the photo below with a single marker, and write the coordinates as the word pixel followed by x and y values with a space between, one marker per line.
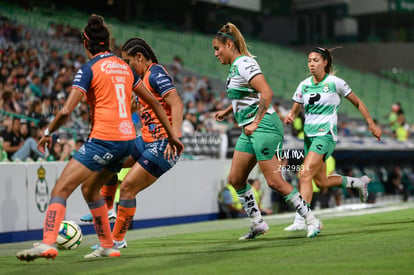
pixel 299 219
pixel 250 206
pixel 301 206
pixel 351 182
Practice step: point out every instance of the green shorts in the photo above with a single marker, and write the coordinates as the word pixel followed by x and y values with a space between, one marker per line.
pixel 322 145
pixel 264 142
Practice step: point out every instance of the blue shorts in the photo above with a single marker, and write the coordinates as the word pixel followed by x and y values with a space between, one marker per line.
pixel 151 156
pixel 98 154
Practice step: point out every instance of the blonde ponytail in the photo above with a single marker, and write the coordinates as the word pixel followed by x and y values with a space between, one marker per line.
pixel 230 32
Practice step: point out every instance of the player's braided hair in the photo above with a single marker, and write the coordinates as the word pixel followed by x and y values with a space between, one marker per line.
pixel 96 35
pixel 138 45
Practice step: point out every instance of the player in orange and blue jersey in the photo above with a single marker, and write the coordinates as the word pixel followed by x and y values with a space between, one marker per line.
pixel 151 161
pixel 107 82
pixel 158 81
pixel 140 56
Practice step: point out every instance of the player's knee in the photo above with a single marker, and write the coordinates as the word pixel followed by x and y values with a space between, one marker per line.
pixel 87 192
pixel 305 175
pixel 127 191
pixel 275 185
pixel 320 183
pixel 62 190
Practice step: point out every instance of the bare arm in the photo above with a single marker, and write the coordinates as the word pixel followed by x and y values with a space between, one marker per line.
pixel 16 106
pixel 134 104
pixel 177 110
pixel 149 98
pixel 375 130
pixel 11 149
pixel 74 98
pixel 266 94
pixel 259 83
pixel 293 113
pixel 220 115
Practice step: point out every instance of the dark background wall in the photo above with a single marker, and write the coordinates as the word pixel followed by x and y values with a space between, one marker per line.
pixel 377 56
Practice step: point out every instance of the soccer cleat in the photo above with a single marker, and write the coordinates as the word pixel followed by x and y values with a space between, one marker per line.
pixel 296 227
pixel 255 231
pixel 314 227
pixel 363 188
pixel 117 245
pixel 89 217
pixel 112 214
pixel 39 251
pixel 120 244
pixel 104 252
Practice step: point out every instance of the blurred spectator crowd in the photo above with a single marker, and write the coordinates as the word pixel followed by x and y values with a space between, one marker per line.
pixel 36 78
pixel 36 73
pixel 388 183
pixel 35 81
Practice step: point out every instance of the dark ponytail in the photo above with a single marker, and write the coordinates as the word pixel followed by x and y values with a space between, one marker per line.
pixel 326 55
pixel 96 35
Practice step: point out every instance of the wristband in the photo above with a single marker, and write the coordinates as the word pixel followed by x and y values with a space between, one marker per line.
pixel 46 133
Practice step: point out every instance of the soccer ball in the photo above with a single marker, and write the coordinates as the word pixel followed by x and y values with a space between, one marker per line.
pixel 70 235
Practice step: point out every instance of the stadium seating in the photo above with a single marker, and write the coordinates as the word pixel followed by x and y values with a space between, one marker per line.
pixel 284 68
pixel 400 76
pixel 201 145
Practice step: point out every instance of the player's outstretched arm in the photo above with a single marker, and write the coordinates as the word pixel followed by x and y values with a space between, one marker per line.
pixel 150 99
pixel 362 108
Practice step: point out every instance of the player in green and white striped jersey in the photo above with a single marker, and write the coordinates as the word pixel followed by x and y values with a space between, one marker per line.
pixel 320 95
pixel 262 133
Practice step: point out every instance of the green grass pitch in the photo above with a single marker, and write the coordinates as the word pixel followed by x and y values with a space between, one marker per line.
pixel 371 242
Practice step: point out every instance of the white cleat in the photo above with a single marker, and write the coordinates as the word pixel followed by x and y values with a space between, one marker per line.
pixel 120 244
pixel 112 214
pixel 255 231
pixel 117 245
pixel 363 189
pixel 314 228
pixel 104 252
pixel 39 251
pixel 296 227
pixel 89 218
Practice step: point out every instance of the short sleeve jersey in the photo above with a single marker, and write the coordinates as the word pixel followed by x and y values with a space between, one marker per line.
pixel 159 83
pixel 244 98
pixel 107 82
pixel 13 139
pixel 321 102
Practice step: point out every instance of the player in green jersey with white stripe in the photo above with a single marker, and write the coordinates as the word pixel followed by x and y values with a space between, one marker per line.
pixel 320 96
pixel 262 131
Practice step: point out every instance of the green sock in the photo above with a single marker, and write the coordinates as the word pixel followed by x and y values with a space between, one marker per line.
pixel 243 190
pixel 344 181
